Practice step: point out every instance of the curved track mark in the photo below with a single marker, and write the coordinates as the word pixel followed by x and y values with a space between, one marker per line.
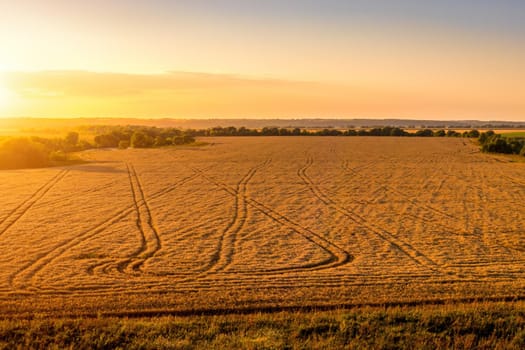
pixel 337 255
pixel 150 238
pixel 401 194
pixel 405 248
pixel 133 262
pixel 17 213
pixel 27 272
pixel 22 278
pixel 226 246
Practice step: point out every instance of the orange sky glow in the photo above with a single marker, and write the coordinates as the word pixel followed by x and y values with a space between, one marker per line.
pixel 322 59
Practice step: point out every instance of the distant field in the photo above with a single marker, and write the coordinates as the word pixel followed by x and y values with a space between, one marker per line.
pixel 507 131
pixel 514 134
pixel 260 224
pixel 461 130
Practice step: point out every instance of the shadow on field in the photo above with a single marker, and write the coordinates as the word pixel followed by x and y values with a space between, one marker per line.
pixel 93 168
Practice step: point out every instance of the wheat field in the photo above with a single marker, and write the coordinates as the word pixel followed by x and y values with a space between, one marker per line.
pixel 261 222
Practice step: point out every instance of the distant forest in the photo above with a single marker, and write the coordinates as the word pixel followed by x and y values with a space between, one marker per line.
pixel 29 124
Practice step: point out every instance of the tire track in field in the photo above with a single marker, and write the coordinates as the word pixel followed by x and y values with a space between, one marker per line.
pixel 412 253
pixel 222 258
pixel 345 166
pixel 337 255
pixel 401 194
pixel 479 187
pixel 150 238
pixel 150 242
pixel 142 223
pixel 16 214
pixel 23 277
pixel 463 234
pixel 248 281
pixel 473 245
pixel 513 180
pixel 482 226
pixel 132 263
pixel 416 204
pixel 257 282
pixel 68 197
pixel 491 233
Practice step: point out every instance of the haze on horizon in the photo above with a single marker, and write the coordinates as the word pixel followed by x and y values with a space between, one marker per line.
pixel 263 59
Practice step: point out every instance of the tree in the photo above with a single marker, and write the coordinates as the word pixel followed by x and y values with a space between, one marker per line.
pixel 140 140
pixel 439 133
pixel 473 133
pixel 398 132
pixel 425 133
pixel 19 153
pixel 159 141
pixel 496 144
pixel 178 140
pixel 188 139
pixel 375 132
pixel 123 144
pixel 106 140
pixel 270 131
pixel 72 138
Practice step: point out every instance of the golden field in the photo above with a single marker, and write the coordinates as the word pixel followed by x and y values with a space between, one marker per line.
pixel 263 223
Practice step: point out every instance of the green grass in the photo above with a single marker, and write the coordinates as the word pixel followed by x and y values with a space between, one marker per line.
pixel 514 134
pixel 481 326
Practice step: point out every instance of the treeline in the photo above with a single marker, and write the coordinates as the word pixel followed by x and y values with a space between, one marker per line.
pixel 143 137
pixel 34 152
pixel 384 131
pixel 146 137
pixel 38 152
pixel 139 137
pixel 110 136
pixel 496 143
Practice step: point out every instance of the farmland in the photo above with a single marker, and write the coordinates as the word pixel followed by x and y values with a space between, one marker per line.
pixel 266 223
pixel 514 134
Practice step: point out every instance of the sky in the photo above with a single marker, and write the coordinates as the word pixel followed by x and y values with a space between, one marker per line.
pixel 461 59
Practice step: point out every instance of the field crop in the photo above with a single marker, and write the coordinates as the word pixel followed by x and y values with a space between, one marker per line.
pixel 514 134
pixel 263 223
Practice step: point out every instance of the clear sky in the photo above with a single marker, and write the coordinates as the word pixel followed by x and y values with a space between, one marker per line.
pixel 461 59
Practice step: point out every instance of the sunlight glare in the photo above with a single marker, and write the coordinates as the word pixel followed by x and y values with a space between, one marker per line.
pixel 5 96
